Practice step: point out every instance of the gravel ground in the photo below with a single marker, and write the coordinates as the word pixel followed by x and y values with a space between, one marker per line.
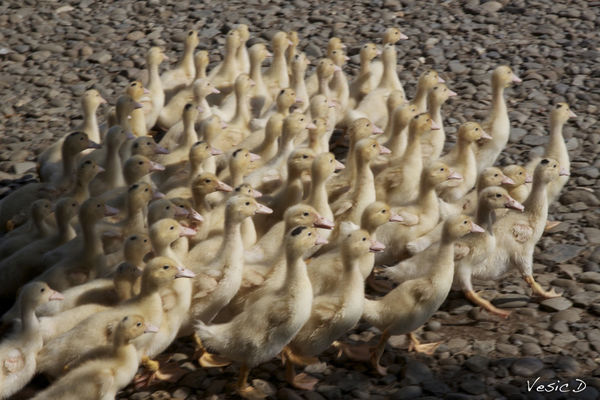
pixel 51 52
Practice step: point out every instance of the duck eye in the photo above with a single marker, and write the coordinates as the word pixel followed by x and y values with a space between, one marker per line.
pixel 140 163
pixel 98 205
pixel 247 203
pixel 383 211
pixel 558 105
pixel 364 239
pixel 88 162
pixel 554 165
pixel 498 195
pixel 165 267
pixel 495 175
pixel 373 146
pixel 135 146
pixel 441 169
pixel 145 190
pixel 435 88
pixel 168 207
pixel 145 240
pixel 42 290
pixel 171 228
pixel 305 156
pixel 309 234
pixel 305 214
pixel 73 205
pixel 301 119
pixel 464 222
pixel 139 324
pixel 207 180
pixel 81 138
pixel 476 129
pixel 520 173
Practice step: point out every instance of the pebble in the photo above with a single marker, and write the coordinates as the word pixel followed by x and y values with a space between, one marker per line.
pixel 477 363
pixel 526 367
pixel 407 393
pixel 510 300
pixel 556 304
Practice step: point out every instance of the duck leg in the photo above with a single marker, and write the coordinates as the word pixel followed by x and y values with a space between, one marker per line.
pixel 417 346
pixel 353 352
pixel 486 305
pixel 377 352
pixel 379 286
pixel 550 225
pixel 247 391
pixel 206 359
pixel 301 381
pixel 538 290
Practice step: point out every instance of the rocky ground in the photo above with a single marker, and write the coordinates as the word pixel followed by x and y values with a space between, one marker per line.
pixel 52 51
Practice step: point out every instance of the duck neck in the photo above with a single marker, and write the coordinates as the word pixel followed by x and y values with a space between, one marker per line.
pixel 279 65
pixel 200 203
pixel 30 323
pixel 485 217
pixel 536 205
pixel 65 230
pixel 242 109
pixel 399 139
pixel 229 61
pixel 498 102
pixel 154 83
pixel 434 108
pixel 443 269
pixel 136 218
pixel 114 168
pixel 256 71
pixel 295 271
pixel 420 100
pixel 294 189
pixel 200 71
pixel 318 194
pixel 412 154
pixel 69 161
pixel 365 66
pixel 163 249
pixel 324 86
pixel 189 133
pixel 187 61
pixel 388 76
pixel 92 242
pixel 556 146
pixel 427 197
pixel 81 191
pixel 90 123
pixel 232 238
pixel 365 184
pixel 297 81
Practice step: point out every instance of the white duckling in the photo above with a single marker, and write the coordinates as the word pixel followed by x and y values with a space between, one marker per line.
pixel 104 371
pixel 224 74
pixel 276 76
pixel 183 73
pixel 497 123
pixel 332 313
pixel 432 145
pixel 36 228
pixel 156 99
pixel 261 98
pixel 427 80
pixel 18 352
pixel 241 55
pixel 272 316
pixel 413 302
pixel 299 64
pixel 390 37
pixel 361 86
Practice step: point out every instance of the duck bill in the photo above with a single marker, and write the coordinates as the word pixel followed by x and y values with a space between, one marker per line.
pixel 254 157
pixel 223 187
pixel 129 135
pixel 339 165
pixel 396 218
pixel 57 296
pixel 572 114
pixel 196 216
pixel 158 195
pixel 110 211
pixel 256 194
pixel 336 68
pixel 434 126
pixel 332 104
pixel 452 93
pixel 215 151
pixel 516 79
pixel 514 204
pixel 149 328
pixel 440 79
pixel 384 150
pixel 160 150
pixel 528 178
pixel 299 100
pixel 476 228
pixel 320 240
pixel 200 109
pixel 485 135
pixel 224 125
pixel 181 212
pixel 215 91
pixel 454 175
pixel 311 126
pixel 99 169
pixel 184 273
pixel 102 100
pixel 564 172
pixel 262 209
pixel 402 37
pixel 507 181
pixel 376 246
pixel 185 231
pixel 137 105
pixel 93 145
pixel 377 130
pixel 323 223
pixel 154 166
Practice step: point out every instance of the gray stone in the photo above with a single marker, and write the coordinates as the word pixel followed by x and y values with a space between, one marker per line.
pixel 507 349
pixel 564 339
pixel 101 58
pixel 510 300
pixel 585 299
pixel 556 304
pixel 531 349
pixel 473 386
pixel 417 372
pixel 23 167
pixel 407 392
pixel 562 253
pixel 288 394
pixel 477 363
pixel 570 315
pixel 526 367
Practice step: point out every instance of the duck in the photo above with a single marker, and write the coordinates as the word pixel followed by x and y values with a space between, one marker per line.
pixel 156 99
pixel 518 232
pixel 90 101
pixel 361 86
pixel 351 205
pixel 394 101
pixel 517 186
pixel 12 213
pixel 497 123
pixel 239 125
pixel 36 228
pixel 27 262
pixel 261 257
pixel 397 184
pixel 170 208
pixel 276 76
pixel 201 61
pixel 180 151
pixel 291 51
pixel 413 302
pixel 432 145
pixel 325 70
pixel 261 98
pixel 462 160
pixel 112 177
pixel 267 149
pixel 286 98
pixel 277 312
pixel 291 192
pixel 224 74
pixel 241 55
pixel 147 147
pixel 427 80
pixel 101 373
pixel 299 64
pixel 138 93
pixel 398 138
pixel 323 167
pixel 99 328
pixel 18 352
pixel 312 82
pixel 323 108
pixel 60 172
pixel 275 170
pixel 209 248
pixel 332 313
pixel 202 186
pixel 317 137
pixel 359 129
pixel 389 38
pixel 557 148
pixel 469 251
pixel 340 89
pixel 86 172
pixel 184 72
pixel 426 210
pixel 241 162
